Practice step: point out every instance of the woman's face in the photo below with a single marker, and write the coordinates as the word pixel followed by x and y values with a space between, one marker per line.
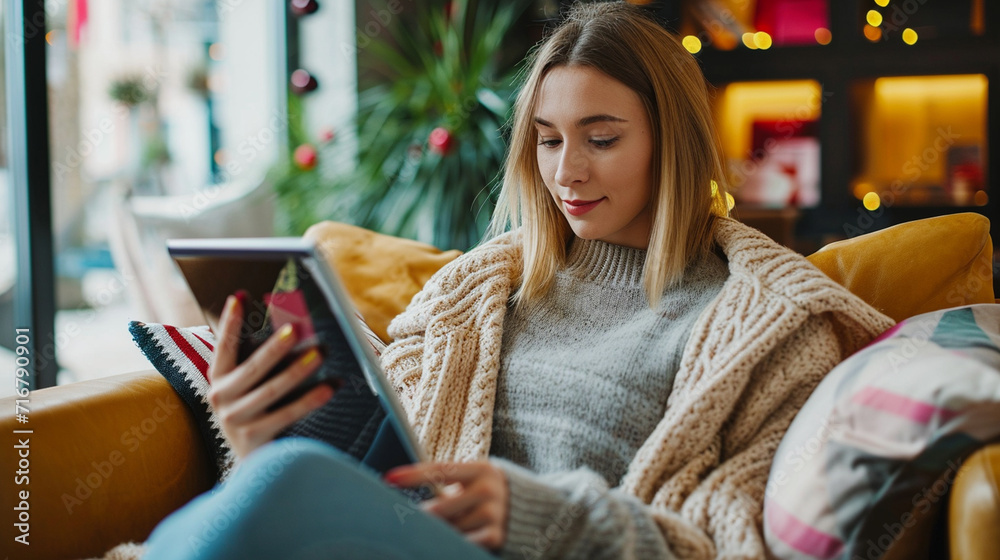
pixel 595 154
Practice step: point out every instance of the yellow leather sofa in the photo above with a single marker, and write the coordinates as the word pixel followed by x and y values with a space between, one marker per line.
pixel 108 459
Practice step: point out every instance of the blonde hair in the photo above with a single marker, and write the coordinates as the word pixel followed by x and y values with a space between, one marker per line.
pixel 621 41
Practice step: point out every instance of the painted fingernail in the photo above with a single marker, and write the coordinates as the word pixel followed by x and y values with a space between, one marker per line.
pixel 286 331
pixel 243 296
pixel 310 356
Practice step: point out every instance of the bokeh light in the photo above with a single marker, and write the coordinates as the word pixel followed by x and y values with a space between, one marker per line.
pixel 874 18
pixel 762 40
pixel 873 34
pixel 748 40
pixel 823 36
pixel 216 52
pixel 692 44
pixel 882 3
pixel 909 36
pixel 872 201
pixel 863 188
pixel 981 198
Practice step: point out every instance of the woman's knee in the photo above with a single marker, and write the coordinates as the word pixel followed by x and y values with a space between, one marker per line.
pixel 291 461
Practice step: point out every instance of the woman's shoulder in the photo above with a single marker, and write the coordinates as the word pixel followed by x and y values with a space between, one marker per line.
pixel 495 259
pixel 752 254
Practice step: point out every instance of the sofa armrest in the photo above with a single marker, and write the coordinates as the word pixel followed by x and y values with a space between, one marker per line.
pixel 974 511
pixel 106 461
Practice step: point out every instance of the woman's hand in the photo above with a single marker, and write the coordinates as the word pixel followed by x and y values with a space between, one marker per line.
pixel 242 406
pixel 476 506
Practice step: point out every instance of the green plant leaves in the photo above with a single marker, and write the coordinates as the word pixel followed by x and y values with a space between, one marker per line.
pixel 441 70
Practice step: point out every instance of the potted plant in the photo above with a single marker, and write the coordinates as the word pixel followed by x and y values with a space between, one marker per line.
pixel 430 132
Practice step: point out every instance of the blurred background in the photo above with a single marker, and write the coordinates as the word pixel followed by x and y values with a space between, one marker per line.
pixel 131 122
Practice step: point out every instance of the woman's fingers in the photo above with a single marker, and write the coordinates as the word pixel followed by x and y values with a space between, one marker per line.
pixel 255 368
pixel 265 428
pixel 258 400
pixel 478 505
pixel 490 537
pixel 228 339
pixel 452 506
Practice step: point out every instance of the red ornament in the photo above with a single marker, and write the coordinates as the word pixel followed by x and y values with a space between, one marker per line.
pixel 327 135
pixel 303 82
pixel 304 7
pixel 305 157
pixel 441 141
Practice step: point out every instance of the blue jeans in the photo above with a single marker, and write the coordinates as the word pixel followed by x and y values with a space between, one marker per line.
pixel 297 498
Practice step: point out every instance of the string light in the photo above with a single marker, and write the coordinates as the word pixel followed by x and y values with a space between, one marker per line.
pixel 872 201
pixel 762 40
pixel 873 34
pixel 692 44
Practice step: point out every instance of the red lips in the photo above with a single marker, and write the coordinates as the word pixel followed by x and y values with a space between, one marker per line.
pixel 580 207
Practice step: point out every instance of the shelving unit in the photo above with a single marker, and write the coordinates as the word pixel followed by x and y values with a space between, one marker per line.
pixel 845 68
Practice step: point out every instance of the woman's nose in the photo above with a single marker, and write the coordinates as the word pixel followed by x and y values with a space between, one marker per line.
pixel 573 167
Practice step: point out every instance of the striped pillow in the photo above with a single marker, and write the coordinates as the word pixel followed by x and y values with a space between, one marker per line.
pixel 874 451
pixel 182 356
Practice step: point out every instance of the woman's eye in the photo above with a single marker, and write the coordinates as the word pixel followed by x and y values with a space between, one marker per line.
pixel 604 142
pixel 550 143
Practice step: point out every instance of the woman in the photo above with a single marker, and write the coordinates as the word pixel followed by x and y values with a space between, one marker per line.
pixel 610 378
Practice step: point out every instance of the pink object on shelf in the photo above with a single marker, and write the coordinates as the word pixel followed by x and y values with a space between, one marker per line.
pixel 792 22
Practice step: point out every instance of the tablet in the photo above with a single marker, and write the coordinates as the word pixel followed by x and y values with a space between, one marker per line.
pixel 287 280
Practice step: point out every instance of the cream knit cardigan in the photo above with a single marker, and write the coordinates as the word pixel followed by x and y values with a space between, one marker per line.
pixel 754 356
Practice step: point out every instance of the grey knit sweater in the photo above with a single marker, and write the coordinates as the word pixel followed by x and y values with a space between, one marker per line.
pixel 584 379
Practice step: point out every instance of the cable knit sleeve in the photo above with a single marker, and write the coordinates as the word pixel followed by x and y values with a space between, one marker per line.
pixel 575 515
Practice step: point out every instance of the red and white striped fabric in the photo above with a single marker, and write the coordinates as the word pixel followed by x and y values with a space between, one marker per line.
pixel 182 356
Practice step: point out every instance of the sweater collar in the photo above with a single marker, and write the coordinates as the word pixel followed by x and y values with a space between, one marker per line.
pixel 604 262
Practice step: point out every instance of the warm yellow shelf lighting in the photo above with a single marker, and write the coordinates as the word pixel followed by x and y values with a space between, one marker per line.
pixel 908 127
pixel 738 105
pixel 951 90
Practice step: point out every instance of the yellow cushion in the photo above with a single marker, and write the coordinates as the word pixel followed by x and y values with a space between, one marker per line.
pixel 381 273
pixel 916 267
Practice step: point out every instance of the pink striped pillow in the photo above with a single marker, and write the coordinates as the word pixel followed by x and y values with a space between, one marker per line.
pixel 872 454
